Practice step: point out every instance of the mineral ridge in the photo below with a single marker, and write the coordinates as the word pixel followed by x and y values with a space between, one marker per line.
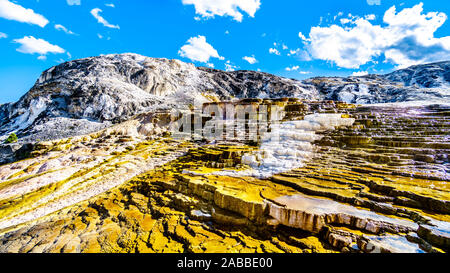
pixel 355 164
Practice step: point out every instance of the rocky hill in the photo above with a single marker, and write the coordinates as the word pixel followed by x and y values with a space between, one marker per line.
pixel 87 95
pixel 91 93
pixel 429 83
pixel 434 75
pixel 327 177
pixel 343 178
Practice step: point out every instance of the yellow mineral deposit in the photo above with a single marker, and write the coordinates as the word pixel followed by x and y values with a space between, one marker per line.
pixel 343 178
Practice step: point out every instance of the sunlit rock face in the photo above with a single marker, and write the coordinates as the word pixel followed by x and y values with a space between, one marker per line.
pixel 422 84
pixel 288 145
pixel 98 91
pixel 87 95
pixel 356 164
pixel 312 214
pixel 434 75
pixel 65 172
pixel 342 178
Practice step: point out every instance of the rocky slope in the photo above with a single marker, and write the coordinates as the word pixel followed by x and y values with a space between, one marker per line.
pixel 86 95
pixel 372 179
pixel 415 85
pixel 434 75
pixel 327 177
pixel 94 92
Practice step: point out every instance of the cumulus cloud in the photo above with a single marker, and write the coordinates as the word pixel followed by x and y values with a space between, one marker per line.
pixel 229 67
pixel 338 15
pixel 274 51
pixel 250 59
pixel 198 50
pixel 406 38
pixel 294 68
pixel 63 28
pixel 15 12
pixel 301 54
pixel 233 8
pixel 31 45
pixel 96 13
pixel 301 36
pixel 374 2
pixel 3 35
pixel 360 73
pixel 111 5
pixel 74 2
pixel 370 17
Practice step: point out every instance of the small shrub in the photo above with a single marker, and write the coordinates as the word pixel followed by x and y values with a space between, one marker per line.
pixel 12 138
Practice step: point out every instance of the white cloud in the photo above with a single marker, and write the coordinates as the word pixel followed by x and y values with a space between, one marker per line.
pixel 370 17
pixel 301 54
pixel 74 2
pixel 274 51
pixel 251 59
pixel 110 5
pixel 360 73
pixel 338 15
pixel 374 2
pixel 197 49
pixel 63 28
pixel 42 58
pixel 31 45
pixel 230 67
pixel 345 21
pixel 351 19
pixel 406 39
pixel 302 36
pixel 95 12
pixel 233 8
pixel 294 68
pixel 3 35
pixel 12 11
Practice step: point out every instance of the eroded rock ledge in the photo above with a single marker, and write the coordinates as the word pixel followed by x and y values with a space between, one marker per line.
pixel 379 184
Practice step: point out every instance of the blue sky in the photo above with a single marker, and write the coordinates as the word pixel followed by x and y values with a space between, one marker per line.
pixel 291 38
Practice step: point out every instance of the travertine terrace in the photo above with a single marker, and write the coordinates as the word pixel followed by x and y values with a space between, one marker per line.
pixel 355 179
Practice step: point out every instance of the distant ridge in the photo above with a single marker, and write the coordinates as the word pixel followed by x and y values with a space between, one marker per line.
pixel 85 95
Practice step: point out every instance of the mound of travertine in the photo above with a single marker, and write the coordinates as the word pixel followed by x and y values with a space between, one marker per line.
pixel 371 179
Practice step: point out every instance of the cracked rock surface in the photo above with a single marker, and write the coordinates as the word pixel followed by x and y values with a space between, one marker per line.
pixel 373 179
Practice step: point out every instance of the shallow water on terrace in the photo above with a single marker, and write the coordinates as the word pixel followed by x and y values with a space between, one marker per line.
pixel 324 206
pixel 397 244
pixel 288 145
